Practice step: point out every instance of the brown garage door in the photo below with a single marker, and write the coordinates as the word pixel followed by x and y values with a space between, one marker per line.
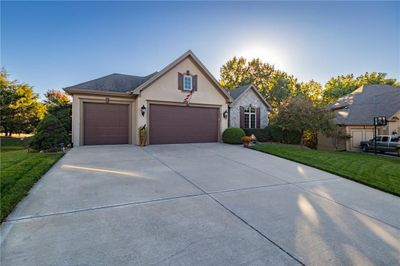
pixel 105 123
pixel 182 124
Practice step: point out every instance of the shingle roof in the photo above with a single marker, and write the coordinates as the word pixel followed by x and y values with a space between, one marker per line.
pixel 236 92
pixel 114 82
pixel 366 102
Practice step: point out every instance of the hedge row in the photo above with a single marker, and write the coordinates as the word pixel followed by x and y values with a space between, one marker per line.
pixel 275 134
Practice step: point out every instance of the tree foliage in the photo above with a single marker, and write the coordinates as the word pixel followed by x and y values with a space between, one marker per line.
pixel 20 108
pixel 59 105
pixel 341 85
pixel 301 114
pixel 275 85
pixel 312 89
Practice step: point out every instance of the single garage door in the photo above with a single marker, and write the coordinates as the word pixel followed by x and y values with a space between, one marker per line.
pixel 105 123
pixel 182 124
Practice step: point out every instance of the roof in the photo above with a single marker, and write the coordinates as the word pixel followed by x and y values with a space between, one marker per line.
pixel 114 83
pixel 237 92
pixel 366 102
pixel 190 54
pixel 120 83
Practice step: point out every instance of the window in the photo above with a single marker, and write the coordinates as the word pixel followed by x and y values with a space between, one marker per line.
pixel 250 117
pixel 385 139
pixel 187 83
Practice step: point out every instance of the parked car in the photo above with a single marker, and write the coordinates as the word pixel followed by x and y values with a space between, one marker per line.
pixel 384 143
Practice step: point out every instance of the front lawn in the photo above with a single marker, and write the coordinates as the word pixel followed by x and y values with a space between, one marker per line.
pixel 20 170
pixel 373 170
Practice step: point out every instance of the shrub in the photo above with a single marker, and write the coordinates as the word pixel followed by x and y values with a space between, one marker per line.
pixel 291 137
pixel 262 134
pixel 233 135
pixel 49 134
pixel 275 134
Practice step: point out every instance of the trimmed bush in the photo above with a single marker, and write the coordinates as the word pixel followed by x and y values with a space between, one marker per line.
pixel 233 135
pixel 262 134
pixel 50 133
pixel 292 137
pixel 274 134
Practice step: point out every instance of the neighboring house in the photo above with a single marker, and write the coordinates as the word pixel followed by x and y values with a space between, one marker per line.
pixel 249 109
pixel 111 109
pixel 355 113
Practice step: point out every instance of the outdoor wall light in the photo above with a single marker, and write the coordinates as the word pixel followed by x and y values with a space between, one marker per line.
pixel 143 110
pixel 225 114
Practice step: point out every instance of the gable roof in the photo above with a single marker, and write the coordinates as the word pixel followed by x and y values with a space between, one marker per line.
pixel 112 83
pixel 366 102
pixel 190 54
pixel 239 91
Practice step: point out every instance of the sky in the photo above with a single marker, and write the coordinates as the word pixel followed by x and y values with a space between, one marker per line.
pixel 52 45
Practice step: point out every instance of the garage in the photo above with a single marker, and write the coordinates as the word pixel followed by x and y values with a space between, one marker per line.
pixel 182 124
pixel 105 123
pixel 359 134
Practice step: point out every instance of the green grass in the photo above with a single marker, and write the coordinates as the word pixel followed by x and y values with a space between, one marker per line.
pixel 20 170
pixel 376 171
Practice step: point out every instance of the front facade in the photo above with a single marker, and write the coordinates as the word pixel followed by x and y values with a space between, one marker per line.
pixel 183 103
pixel 355 113
pixel 248 109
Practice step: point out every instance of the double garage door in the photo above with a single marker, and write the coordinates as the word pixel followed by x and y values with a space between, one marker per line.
pixel 109 124
pixel 182 124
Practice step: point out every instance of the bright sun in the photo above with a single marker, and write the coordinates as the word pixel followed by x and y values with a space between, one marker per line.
pixel 266 54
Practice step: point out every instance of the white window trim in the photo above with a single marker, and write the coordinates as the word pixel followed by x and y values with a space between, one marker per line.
pixel 250 114
pixel 191 82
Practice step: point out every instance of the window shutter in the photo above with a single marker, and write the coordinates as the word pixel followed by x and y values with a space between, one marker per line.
pixel 194 82
pixel 241 117
pixel 257 117
pixel 180 81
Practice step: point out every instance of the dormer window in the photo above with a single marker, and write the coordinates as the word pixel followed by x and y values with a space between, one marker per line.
pixel 187 83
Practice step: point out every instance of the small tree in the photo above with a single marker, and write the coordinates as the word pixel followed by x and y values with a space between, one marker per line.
pixel 59 105
pixel 49 134
pixel 299 113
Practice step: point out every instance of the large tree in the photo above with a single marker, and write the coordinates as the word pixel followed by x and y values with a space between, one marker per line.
pixel 275 85
pixel 20 108
pixel 311 89
pixel 341 85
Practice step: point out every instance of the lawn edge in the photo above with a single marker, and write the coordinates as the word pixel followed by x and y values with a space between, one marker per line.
pixel 329 171
pixel 4 219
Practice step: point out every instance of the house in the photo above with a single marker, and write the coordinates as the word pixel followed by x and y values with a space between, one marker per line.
pixel 355 112
pixel 248 109
pixel 183 103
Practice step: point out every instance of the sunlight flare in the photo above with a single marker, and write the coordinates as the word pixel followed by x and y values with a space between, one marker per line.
pixel 90 169
pixel 308 210
pixel 266 54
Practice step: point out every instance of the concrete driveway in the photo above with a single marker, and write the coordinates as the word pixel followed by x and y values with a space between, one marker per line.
pixel 198 204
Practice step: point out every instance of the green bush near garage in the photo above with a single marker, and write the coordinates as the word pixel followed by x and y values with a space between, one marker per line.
pixel 233 135
pixel 274 134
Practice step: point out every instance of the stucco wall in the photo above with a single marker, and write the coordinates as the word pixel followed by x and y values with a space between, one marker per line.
pixel 395 124
pixel 165 90
pixel 77 114
pixel 249 97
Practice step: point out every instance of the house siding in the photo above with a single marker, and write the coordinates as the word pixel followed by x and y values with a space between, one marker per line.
pixel 247 98
pixel 165 91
